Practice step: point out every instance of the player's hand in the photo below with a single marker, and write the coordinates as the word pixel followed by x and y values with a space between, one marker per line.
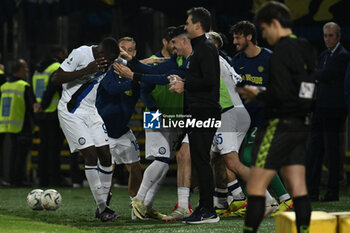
pixel 176 84
pixel 248 92
pixel 100 64
pixel 124 54
pixel 123 71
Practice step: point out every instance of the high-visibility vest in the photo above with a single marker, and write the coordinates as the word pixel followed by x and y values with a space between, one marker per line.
pixel 12 106
pixel 40 82
pixel 2 72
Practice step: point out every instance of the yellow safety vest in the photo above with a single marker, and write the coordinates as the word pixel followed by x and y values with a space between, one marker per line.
pixel 12 106
pixel 40 82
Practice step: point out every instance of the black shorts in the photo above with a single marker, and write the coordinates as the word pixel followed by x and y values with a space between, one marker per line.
pixel 280 142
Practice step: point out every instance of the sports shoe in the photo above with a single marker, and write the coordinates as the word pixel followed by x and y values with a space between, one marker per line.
pixel 189 207
pixel 109 197
pixel 154 214
pixel 220 211
pixel 284 206
pixel 270 208
pixel 178 214
pixel 237 204
pixel 202 215
pixel 139 208
pixel 109 215
pixel 238 213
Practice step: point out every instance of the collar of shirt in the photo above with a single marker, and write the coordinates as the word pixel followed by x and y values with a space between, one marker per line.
pixel 198 39
pixel 335 48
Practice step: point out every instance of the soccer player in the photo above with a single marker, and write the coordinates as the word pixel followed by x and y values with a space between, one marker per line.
pixel 116 100
pixel 160 143
pixel 228 138
pixel 280 140
pixel 83 127
pixel 251 62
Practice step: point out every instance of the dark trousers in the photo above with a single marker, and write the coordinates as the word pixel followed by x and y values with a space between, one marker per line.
pixel 18 150
pixel 51 140
pixel 324 140
pixel 200 143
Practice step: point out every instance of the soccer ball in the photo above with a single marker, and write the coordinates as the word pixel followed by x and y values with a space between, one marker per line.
pixel 51 199
pixel 34 199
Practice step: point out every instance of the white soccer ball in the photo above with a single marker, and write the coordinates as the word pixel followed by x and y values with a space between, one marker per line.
pixel 34 199
pixel 51 199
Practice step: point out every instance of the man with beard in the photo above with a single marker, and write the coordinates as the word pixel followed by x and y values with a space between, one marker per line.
pixel 251 62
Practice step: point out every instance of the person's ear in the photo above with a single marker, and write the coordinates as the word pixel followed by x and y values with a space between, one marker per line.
pixel 249 37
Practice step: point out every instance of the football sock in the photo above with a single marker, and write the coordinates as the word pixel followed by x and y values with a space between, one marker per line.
pixel 235 190
pixel 220 198
pixel 105 174
pixel 255 213
pixel 277 186
pixel 302 209
pixel 153 190
pixel 93 179
pixel 151 175
pixel 183 195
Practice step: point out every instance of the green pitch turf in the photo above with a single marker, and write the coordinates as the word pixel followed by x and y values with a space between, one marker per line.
pixel 77 211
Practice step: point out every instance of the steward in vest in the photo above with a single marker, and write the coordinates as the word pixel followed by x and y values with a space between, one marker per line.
pixel 50 133
pixel 16 121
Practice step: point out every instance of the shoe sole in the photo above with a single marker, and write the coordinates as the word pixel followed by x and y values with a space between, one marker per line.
pixel 210 220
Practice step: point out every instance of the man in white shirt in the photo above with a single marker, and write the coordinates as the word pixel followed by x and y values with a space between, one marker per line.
pixel 83 127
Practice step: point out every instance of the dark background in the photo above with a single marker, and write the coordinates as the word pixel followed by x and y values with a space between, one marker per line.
pixel 29 27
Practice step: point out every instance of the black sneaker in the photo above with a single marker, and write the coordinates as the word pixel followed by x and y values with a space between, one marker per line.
pixel 109 215
pixel 202 215
pixel 97 212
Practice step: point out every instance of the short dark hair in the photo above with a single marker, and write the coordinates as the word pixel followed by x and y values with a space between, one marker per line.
pixel 274 10
pixel 56 49
pixel 17 65
pixel 167 33
pixel 246 28
pixel 110 46
pixel 201 15
pixel 178 31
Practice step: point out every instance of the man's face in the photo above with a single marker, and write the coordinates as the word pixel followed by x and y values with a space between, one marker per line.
pixel 240 41
pixel 330 37
pixel 129 47
pixel 110 57
pixel 269 32
pixel 178 45
pixel 170 47
pixel 190 27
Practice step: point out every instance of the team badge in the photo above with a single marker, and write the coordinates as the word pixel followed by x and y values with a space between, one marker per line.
pixel 162 150
pixel 82 140
pixel 260 69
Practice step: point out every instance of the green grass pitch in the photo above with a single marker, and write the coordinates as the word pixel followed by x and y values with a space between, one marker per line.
pixel 76 214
